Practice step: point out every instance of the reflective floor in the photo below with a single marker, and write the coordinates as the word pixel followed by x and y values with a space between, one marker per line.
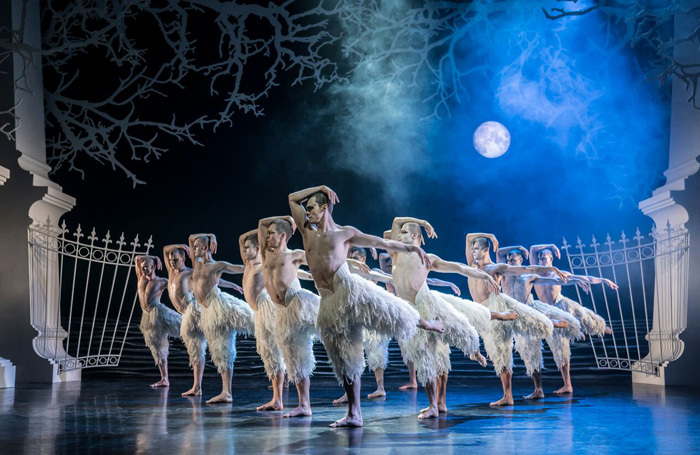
pixel 125 416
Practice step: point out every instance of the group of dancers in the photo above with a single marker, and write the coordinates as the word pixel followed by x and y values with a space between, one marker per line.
pixel 355 317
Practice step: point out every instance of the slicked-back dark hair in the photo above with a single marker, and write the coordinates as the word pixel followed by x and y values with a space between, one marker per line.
pixel 483 241
pixel 358 249
pixel 252 238
pixel 539 253
pixel 515 251
pixel 283 226
pixel 321 198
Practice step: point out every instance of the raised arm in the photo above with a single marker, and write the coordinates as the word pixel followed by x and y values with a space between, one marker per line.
pixel 366 240
pixel 243 237
pixel 399 221
pixel 212 241
pixel 264 226
pixel 443 266
pixel 138 264
pixel 441 283
pixel 535 250
pixel 167 249
pixel 297 198
pixel 470 240
pixel 502 254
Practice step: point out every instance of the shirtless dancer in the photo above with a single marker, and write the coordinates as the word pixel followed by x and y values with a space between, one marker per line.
pixel 377 346
pixel 349 303
pixel 430 352
pixel 222 314
pixel 182 298
pixel 566 327
pixel 591 323
pixel 295 324
pixel 158 322
pixel 265 312
pixel 498 340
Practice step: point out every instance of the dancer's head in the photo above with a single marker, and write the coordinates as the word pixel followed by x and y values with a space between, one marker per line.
pixel 358 253
pixel 410 234
pixel 317 206
pixel 176 258
pixel 200 247
pixel 148 266
pixel 480 248
pixel 278 234
pixel 545 257
pixel 385 263
pixel 515 257
pixel 251 247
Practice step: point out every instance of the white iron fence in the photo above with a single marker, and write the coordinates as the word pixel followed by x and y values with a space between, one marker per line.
pixel 85 285
pixel 649 310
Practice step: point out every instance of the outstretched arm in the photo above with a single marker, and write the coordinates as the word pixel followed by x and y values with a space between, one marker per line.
pixel 296 199
pixel 227 284
pixel 470 240
pixel 241 241
pixel 596 280
pixel 502 253
pixel 556 281
pixel 358 268
pixel 304 275
pixel 365 240
pixel 399 221
pixel 227 267
pixel 440 265
pixel 535 250
pixel 436 282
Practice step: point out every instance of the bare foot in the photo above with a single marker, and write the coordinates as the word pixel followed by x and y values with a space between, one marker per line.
pixel 424 410
pixel 505 401
pixel 560 324
pixel 536 395
pixel 377 394
pixel 434 326
pixel 430 413
pixel 564 389
pixel 161 383
pixel 341 400
pixel 193 392
pixel 408 386
pixel 608 330
pixel 347 421
pixel 299 411
pixel 271 406
pixel 478 357
pixel 509 315
pixel 442 408
pixel 221 398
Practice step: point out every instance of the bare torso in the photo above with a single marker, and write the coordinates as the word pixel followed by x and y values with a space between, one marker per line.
pixel 326 252
pixel 253 282
pixel 409 274
pixel 205 276
pixel 179 285
pixel 150 291
pixel 549 293
pixel 279 270
pixel 478 288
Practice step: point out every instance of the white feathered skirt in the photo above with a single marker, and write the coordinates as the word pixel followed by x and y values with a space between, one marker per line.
pixel 265 343
pixel 479 315
pixel 295 329
pixel 498 340
pixel 191 331
pixel 591 323
pixel 376 349
pixel 157 324
pixel 430 351
pixel 357 303
pixel 222 317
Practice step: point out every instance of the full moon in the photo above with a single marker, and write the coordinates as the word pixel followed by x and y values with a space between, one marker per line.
pixel 491 139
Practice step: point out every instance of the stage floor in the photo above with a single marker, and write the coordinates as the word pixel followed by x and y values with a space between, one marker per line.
pixel 126 416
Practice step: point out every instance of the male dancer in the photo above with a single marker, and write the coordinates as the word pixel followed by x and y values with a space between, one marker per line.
pixel 591 323
pixel 222 314
pixel 265 313
pixel 295 323
pixel 498 340
pixel 158 322
pixel 182 298
pixel 349 303
pixel 566 327
pixel 430 352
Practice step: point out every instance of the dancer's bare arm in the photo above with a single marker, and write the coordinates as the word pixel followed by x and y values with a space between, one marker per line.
pixel 227 284
pixel 361 269
pixel 297 198
pixel 359 238
pixel 304 275
pixel 167 249
pixel 399 221
pixel 535 249
pixel 502 253
pixel 470 240
pixel 440 265
pixel 227 267
pixel 441 283
pixel 139 260
pixel 264 226
pixel 505 269
pixel 556 281
pixel 212 241
pixel 596 280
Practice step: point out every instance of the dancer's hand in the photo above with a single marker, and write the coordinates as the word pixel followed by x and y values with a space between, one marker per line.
pixel 332 197
pixel 237 288
pixel 430 231
pixel 455 289
pixel 585 287
pixel 373 252
pixel 563 275
pixel 159 264
pixel 424 259
pixel 610 283
pixel 212 243
pixel 492 285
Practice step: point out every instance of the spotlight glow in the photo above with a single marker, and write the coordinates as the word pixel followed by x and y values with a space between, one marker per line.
pixel 491 139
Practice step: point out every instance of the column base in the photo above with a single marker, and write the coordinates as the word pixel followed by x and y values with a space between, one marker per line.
pixel 650 379
pixel 66 376
pixel 7 374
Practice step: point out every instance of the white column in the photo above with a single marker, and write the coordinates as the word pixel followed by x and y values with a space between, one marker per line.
pixel 7 369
